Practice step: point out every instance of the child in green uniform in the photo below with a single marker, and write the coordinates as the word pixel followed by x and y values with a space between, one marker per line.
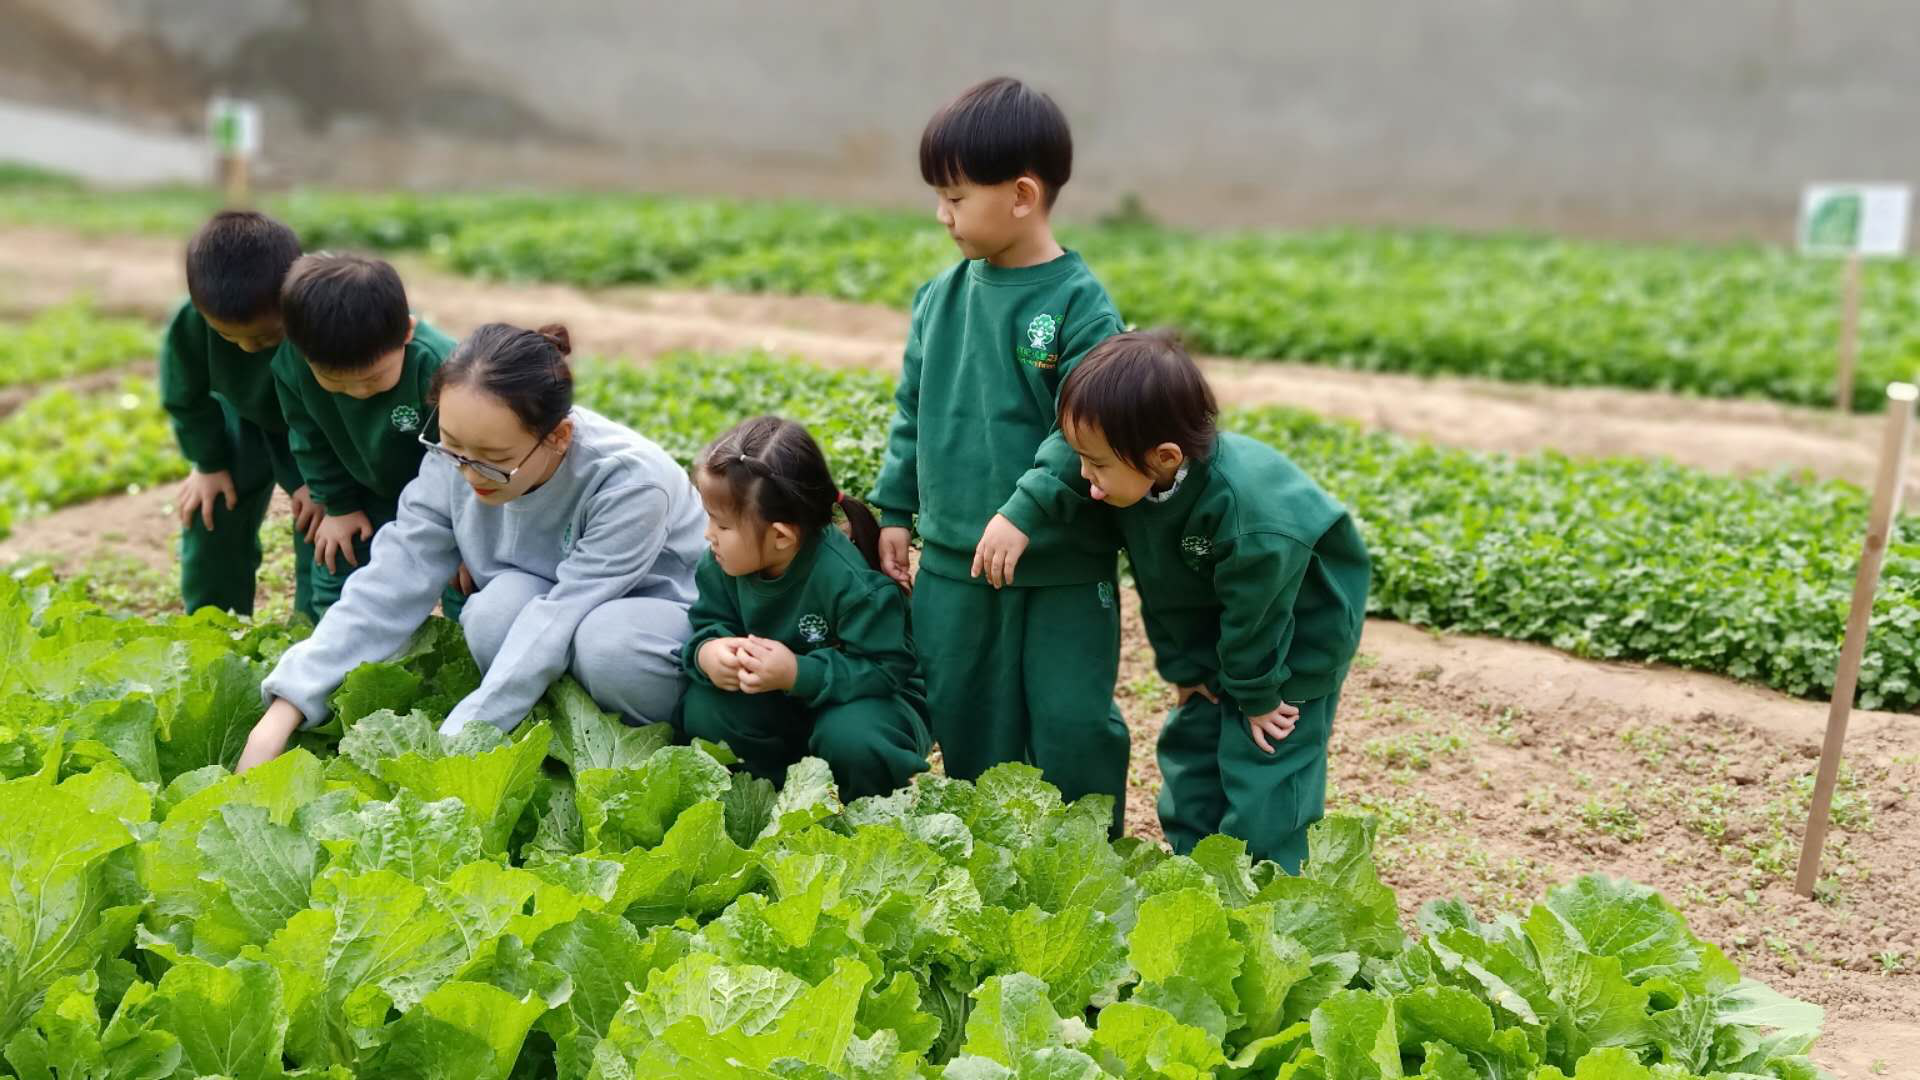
pixel 217 387
pixel 800 644
pixel 1014 606
pixel 352 378
pixel 1253 582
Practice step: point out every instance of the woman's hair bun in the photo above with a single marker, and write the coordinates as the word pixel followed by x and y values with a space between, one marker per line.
pixel 557 334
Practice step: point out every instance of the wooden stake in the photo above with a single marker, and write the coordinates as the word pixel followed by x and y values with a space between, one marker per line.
pixel 236 177
pixel 1849 332
pixel 1846 677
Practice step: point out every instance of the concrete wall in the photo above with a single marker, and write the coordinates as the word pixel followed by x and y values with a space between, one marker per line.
pixel 1639 117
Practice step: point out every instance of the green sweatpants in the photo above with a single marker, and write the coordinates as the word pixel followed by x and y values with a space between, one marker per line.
pixel 1215 779
pixel 218 565
pixel 873 745
pixel 328 583
pixel 1025 674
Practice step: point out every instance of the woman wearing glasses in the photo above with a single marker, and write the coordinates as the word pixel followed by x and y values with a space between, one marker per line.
pixel 580 536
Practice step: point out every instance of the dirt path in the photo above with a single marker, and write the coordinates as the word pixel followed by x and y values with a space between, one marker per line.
pixel 141 274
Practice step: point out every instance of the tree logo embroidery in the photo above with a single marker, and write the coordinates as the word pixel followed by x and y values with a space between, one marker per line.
pixel 1196 549
pixel 1105 591
pixel 566 538
pixel 1041 330
pixel 405 418
pixel 1037 350
pixel 813 628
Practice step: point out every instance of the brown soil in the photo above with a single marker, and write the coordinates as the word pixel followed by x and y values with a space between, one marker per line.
pixel 142 274
pixel 1499 770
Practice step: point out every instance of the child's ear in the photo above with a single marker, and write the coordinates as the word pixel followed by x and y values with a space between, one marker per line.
pixel 785 535
pixel 413 323
pixel 1026 195
pixel 562 436
pixel 1168 457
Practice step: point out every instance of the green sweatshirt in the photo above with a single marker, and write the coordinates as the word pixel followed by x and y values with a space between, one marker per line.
pixel 357 453
pixel 199 370
pixel 845 622
pixel 1248 570
pixel 975 432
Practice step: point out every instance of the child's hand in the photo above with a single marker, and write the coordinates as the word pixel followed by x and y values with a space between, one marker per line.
pixel 463 580
pixel 1276 725
pixel 269 736
pixel 719 659
pixel 335 538
pixel 895 543
pixel 306 513
pixel 1182 693
pixel 198 492
pixel 1001 546
pixel 767 666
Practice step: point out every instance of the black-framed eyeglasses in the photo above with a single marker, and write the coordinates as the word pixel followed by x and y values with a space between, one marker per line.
pixel 485 470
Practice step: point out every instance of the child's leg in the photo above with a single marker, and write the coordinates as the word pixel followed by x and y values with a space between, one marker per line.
pixel 767 732
pixel 1070 657
pixel 1192 801
pixel 968 637
pixel 286 473
pixel 1272 798
pixel 489 613
pixel 873 745
pixel 218 565
pixel 627 654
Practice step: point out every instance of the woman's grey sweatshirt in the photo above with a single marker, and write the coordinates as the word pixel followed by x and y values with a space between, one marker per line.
pixel 617 518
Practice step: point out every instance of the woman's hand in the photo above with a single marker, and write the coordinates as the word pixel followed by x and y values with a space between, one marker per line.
pixel 270 735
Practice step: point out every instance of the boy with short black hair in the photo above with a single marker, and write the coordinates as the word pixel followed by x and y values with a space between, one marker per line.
pixel 1253 582
pixel 1014 608
pixel 216 384
pixel 352 379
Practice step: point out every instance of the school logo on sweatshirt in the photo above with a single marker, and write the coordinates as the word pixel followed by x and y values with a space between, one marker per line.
pixel 1105 591
pixel 405 418
pixel 566 538
pixel 1196 550
pixel 1037 350
pixel 814 629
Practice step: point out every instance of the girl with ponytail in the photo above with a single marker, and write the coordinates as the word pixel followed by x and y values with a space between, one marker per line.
pixel 800 643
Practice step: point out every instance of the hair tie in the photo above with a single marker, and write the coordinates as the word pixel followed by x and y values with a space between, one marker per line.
pixel 839 498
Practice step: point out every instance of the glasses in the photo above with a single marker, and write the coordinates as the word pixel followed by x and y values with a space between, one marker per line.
pixel 484 470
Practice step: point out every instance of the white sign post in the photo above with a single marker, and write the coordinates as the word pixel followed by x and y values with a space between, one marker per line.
pixel 1853 221
pixel 233 127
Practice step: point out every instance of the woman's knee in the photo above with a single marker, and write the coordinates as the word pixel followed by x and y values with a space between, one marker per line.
pixel 627 654
pixel 488 614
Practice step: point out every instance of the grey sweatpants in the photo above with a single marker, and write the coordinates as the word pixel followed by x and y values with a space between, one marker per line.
pixel 626 652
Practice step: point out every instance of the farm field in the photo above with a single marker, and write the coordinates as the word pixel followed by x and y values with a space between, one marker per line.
pixel 1500 737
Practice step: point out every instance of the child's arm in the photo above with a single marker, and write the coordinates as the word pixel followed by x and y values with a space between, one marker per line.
pixel 198 424
pixel 339 496
pixel 717 623
pixel 897 492
pixel 1052 489
pixel 874 657
pixel 1258 580
pixel 187 394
